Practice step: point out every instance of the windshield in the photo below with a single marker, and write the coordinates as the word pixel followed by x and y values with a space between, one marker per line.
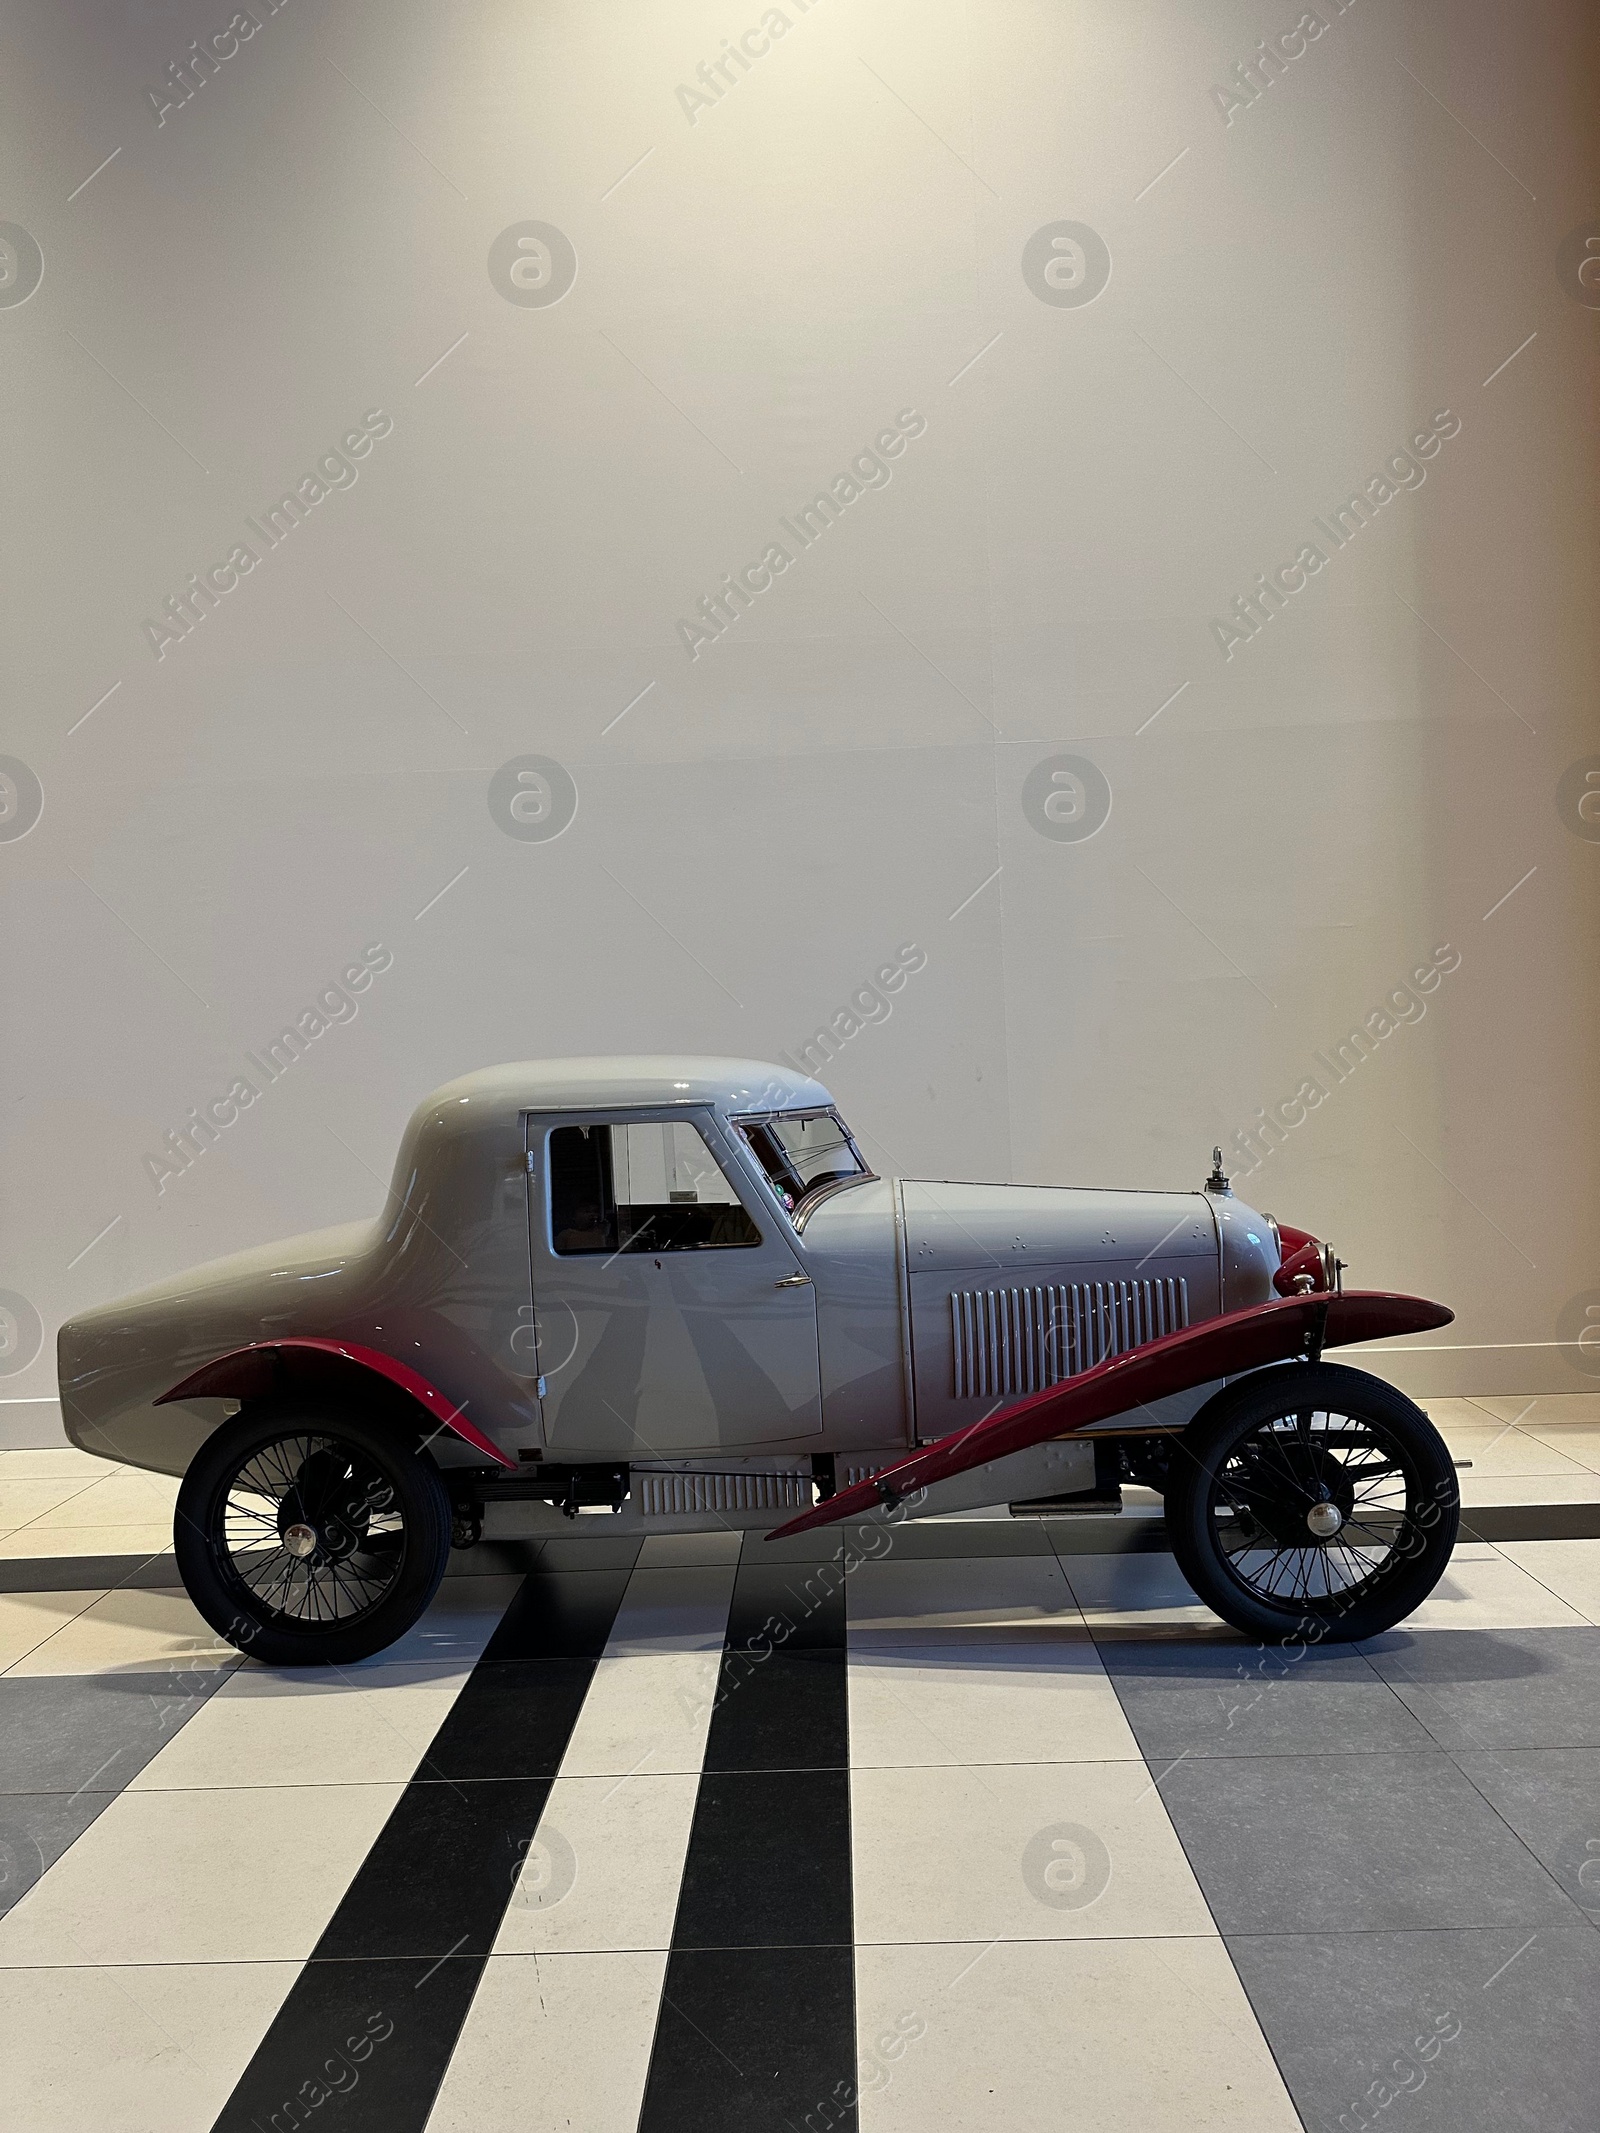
pixel 803 1152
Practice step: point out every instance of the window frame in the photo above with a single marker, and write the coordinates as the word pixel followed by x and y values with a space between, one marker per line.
pixel 727 1158
pixel 812 1198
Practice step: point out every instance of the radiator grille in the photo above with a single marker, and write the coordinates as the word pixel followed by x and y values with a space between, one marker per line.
pixel 659 1495
pixel 1011 1341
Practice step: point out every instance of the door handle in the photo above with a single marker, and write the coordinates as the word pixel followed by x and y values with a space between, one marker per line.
pixel 793 1281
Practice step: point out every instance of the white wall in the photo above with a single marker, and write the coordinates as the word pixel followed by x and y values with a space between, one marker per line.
pixel 837 238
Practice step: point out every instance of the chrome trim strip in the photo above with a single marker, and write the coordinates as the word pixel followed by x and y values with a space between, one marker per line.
pixel 813 1200
pixel 902 1269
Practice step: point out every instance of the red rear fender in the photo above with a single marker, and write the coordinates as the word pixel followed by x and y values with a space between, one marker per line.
pixel 246 1373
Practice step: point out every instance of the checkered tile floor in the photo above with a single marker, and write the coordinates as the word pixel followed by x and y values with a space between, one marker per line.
pixel 983 1831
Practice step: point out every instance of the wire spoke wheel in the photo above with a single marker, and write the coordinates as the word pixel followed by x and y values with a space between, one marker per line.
pixel 1312 1499
pixel 305 1533
pixel 1313 1504
pixel 312 1528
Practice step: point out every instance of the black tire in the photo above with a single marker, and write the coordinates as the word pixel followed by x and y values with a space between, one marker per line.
pixel 1284 1447
pixel 308 1531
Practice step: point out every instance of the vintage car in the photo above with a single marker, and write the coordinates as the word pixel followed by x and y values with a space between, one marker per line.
pixel 671 1293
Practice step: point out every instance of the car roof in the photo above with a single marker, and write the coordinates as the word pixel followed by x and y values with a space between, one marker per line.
pixel 653 1079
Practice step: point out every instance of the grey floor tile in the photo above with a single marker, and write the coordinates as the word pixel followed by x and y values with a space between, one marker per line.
pixel 35 1829
pixel 1212 1699
pixel 1421 2019
pixel 1551 1798
pixel 1331 1843
pixel 68 1745
pixel 957 1538
pixel 62 1731
pixel 1497 1688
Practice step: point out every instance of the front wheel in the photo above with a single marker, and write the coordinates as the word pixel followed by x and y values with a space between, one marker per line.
pixel 308 1533
pixel 1312 1502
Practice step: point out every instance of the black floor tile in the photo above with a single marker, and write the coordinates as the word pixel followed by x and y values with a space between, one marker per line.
pixel 516 1722
pixel 441 1872
pixel 358 2047
pixel 560 1614
pixel 757 2022
pixel 435 1885
pixel 1209 1699
pixel 1416 2033
pixel 785 1712
pixel 792 1607
pixel 1325 1843
pixel 1551 1798
pixel 754 2041
pixel 768 1861
pixel 578 1549
pixel 1497 1688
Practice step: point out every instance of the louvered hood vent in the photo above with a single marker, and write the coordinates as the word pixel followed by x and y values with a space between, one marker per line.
pixel 1010 1341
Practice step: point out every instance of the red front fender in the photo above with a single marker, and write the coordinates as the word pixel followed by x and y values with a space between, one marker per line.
pixel 1218 1348
pixel 251 1370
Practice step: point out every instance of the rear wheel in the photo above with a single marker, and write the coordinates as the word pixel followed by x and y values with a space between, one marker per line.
pixel 309 1533
pixel 1314 1502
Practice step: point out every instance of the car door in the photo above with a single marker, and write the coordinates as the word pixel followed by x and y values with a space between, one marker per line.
pixel 674 1315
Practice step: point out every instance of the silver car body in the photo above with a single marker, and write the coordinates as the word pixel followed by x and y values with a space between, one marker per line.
pixel 878 1314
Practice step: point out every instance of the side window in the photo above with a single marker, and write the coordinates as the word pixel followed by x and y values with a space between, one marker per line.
pixel 652 1187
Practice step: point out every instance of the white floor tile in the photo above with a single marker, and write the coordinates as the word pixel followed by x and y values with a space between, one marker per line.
pixel 118 1499
pixel 1579 1440
pixel 1137 1591
pixel 968 1594
pixel 666 1608
pixel 553 2043
pixel 57 1463
pixel 1491 1591
pixel 22 1501
pixel 995 1702
pixel 28 1618
pixel 675 1550
pixel 131 2050
pixel 1537 1410
pixel 1146 2036
pixel 603 1873
pixel 464 1616
pixel 1568 1568
pixel 1448 1416
pixel 245 1875
pixel 1577 1486
pixel 130 1631
pixel 1495 1449
pixel 308 1726
pixel 28 1542
pixel 645 1712
pixel 1035 1851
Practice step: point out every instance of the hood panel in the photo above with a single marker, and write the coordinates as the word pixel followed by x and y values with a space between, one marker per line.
pixel 1012 1232
pixel 1015 1287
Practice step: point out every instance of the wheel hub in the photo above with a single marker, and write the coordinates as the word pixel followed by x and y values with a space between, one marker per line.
pixel 311 1533
pixel 1297 1495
